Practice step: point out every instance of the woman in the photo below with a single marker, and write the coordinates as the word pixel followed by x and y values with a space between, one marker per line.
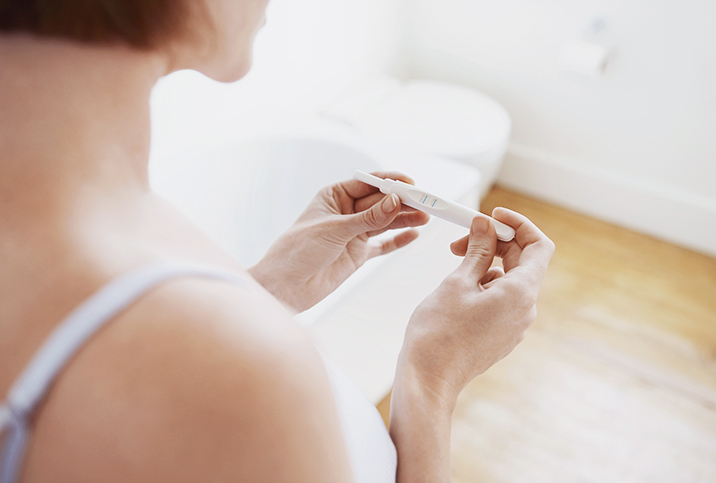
pixel 168 372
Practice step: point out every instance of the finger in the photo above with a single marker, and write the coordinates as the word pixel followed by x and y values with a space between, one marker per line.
pixel 530 248
pixel 358 189
pixel 366 202
pixel 362 204
pixel 459 247
pixel 494 273
pixel 398 241
pixel 510 253
pixel 480 249
pixel 378 217
pixel 525 231
pixel 404 220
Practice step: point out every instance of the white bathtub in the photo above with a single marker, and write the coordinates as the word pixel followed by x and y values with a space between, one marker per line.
pixel 244 196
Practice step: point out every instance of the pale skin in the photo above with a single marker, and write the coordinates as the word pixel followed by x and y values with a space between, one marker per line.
pixel 204 380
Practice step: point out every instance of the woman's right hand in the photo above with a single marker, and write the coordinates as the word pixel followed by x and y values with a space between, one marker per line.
pixel 478 314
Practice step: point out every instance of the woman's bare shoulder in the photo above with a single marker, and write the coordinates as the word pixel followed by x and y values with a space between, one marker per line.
pixel 199 380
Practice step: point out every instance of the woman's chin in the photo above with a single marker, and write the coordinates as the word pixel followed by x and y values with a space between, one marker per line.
pixel 229 71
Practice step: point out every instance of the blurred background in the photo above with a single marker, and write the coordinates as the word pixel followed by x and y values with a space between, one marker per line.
pixel 603 131
pixel 634 145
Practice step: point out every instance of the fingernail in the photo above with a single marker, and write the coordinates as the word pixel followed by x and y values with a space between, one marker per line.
pixel 390 203
pixel 479 225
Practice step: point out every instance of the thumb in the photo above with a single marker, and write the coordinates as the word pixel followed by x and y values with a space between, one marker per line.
pixel 481 247
pixel 377 217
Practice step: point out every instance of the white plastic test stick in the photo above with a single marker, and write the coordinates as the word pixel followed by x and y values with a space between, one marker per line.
pixel 431 204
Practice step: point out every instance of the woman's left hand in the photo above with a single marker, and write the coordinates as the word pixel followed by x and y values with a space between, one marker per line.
pixel 331 239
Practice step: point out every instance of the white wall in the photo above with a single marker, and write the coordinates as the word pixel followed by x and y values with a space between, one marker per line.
pixel 308 52
pixel 637 146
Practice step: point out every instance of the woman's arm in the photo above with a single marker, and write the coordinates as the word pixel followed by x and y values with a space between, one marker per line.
pixel 420 422
pixel 331 240
pixel 474 319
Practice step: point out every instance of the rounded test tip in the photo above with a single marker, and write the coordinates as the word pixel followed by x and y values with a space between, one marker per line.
pixel 504 232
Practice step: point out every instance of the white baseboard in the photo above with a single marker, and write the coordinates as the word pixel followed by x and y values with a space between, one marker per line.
pixel 675 216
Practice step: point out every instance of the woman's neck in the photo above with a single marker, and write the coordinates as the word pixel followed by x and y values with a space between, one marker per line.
pixel 74 122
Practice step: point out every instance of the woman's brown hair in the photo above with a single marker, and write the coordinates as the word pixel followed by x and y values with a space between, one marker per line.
pixel 144 24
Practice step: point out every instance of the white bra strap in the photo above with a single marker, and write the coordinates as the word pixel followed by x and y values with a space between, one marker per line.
pixel 70 336
pixel 86 319
pixel 13 447
pixel 5 417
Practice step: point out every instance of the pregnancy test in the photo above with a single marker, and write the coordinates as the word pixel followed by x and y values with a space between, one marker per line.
pixel 422 200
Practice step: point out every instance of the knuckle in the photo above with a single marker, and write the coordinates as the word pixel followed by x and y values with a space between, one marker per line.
pixel 512 287
pixel 372 219
pixel 530 317
pixel 529 299
pixel 551 247
pixel 333 191
pixel 521 295
pixel 478 250
pixel 388 246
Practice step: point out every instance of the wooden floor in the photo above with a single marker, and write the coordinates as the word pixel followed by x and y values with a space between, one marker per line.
pixel 615 382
